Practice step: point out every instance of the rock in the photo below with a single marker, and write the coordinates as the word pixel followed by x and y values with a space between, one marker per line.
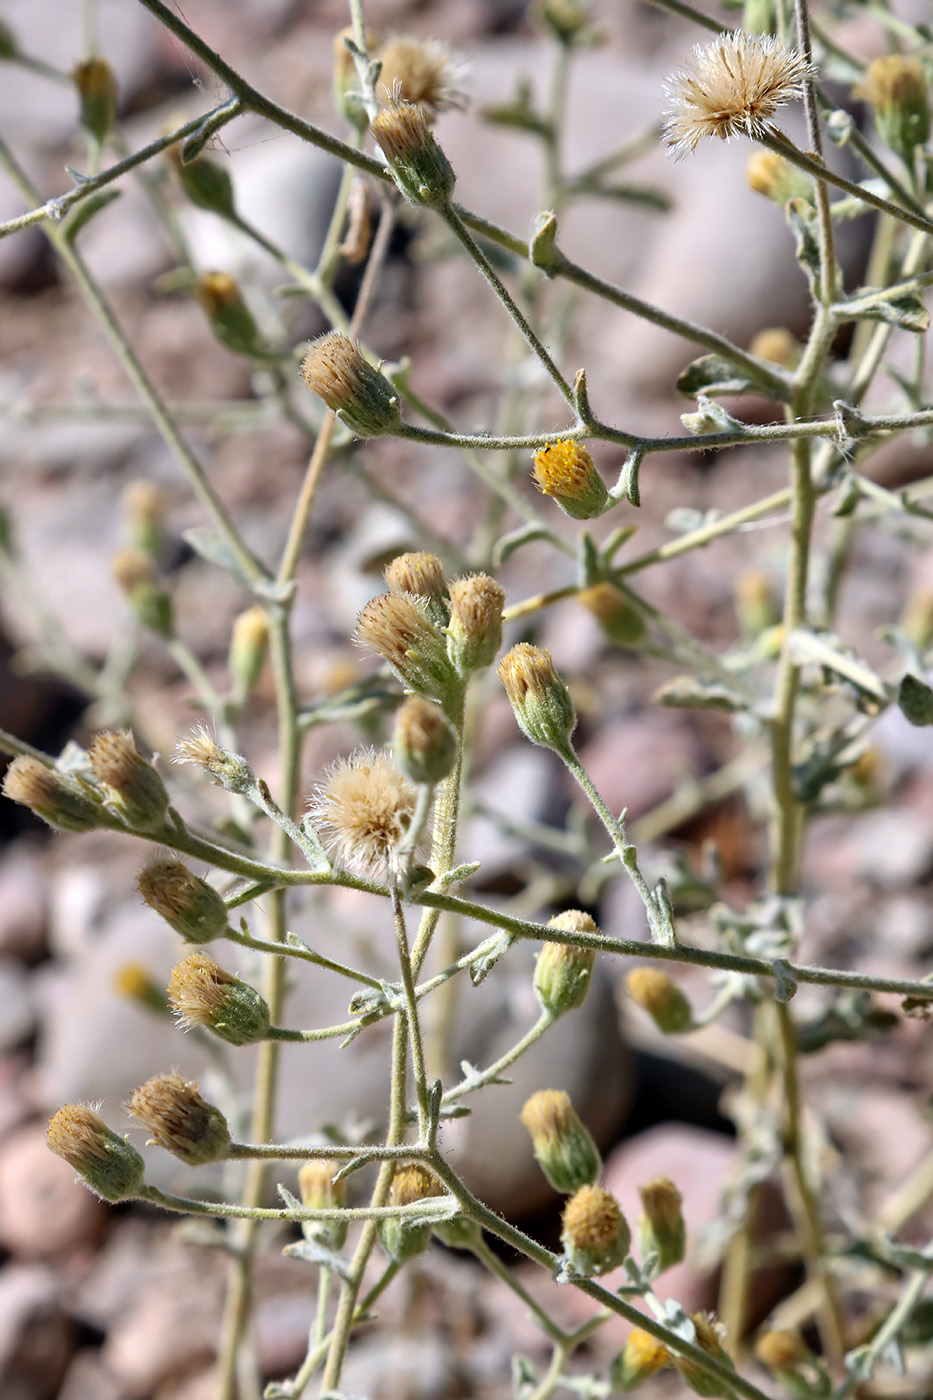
pixel 23 893
pixel 88 1379
pixel 17 1011
pixel 36 1336
pixel 43 1210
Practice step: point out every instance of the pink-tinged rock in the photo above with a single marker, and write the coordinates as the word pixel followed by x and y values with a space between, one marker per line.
pixel 44 1211
pixel 169 1332
pixel 698 1162
pixel 637 762
pixel 23 891
pixel 36 1337
pixel 88 1379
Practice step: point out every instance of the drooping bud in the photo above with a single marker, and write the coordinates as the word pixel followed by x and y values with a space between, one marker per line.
pixel 60 799
pixel 336 370
pixel 135 572
pixel 228 770
pixel 204 181
pixel 619 618
pixel 133 788
pixel 399 630
pixel 641 1357
pixel 319 1191
pixel 402 1239
pixel 144 510
pixel 656 992
pixel 708 1334
pixel 425 744
pixel 249 646
pixel 899 93
pixel 562 972
pixel 782 1351
pixel 97 92
pixel 219 296
pixel 773 176
pixel 563 1147
pixel 203 994
pixel 538 696
pixel 594 1232
pixel 423 575
pixel 474 633
pixel 565 470
pixel 419 167
pixel 180 1120
pixel 104 1162
pixel 191 906
pixel 661 1228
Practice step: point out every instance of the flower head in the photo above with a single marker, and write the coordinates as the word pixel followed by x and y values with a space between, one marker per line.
pixel 180 1120
pixel 565 471
pixel 104 1162
pixel 734 85
pixel 60 799
pixel 539 698
pixel 402 131
pixel 365 807
pixel 562 1144
pixel 202 993
pixel 594 1232
pixel 420 70
pixel 397 626
pixel 336 370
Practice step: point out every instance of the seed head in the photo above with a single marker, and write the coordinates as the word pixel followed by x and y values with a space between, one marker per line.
pixel 641 1357
pixel 58 798
pixel 104 1162
pixel 563 1147
pixel 734 86
pixel 474 633
pixel 594 1231
pixel 565 471
pixel 365 807
pixel 201 993
pixel 422 71
pixel 188 904
pixel 402 131
pixel 538 696
pixel 132 786
pixel 657 993
pixel 180 1120
pixel 336 370
pixel 397 627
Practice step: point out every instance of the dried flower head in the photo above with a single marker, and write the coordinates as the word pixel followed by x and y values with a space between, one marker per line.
pixel 422 71
pixel 336 370
pixel 365 807
pixel 734 86
pixel 474 634
pixel 229 770
pixel 188 904
pixel 594 1232
pixel 58 798
pixel 201 993
pixel 565 470
pixel 397 626
pixel 402 131
pixel 105 1162
pixel 180 1120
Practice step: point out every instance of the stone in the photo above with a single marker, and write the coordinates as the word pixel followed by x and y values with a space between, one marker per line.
pixel 44 1211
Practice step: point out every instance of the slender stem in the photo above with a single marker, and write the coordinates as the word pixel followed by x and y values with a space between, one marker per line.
pixel 411 1011
pixel 489 1075
pixel 495 1266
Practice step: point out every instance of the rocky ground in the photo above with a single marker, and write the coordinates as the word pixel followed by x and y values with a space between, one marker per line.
pixel 102 1304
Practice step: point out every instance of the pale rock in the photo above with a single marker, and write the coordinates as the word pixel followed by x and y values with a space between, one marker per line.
pixel 44 1211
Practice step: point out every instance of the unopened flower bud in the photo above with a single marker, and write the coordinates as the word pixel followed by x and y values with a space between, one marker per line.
pixel 135 982
pixel 773 176
pixel 756 602
pixel 144 509
pixel 228 770
pixel 425 745
pixel 249 646
pixel 661 1228
pixel 423 575
pixel 396 626
pixel 319 1191
pixel 104 1161
pixel 180 1120
pixel 219 296
pixel 565 470
pixel 656 992
pixel 133 788
pixel 782 1350
pixel 459 1232
pixel 60 799
pixel 778 346
pixel 336 370
pixel 203 994
pixel 619 618
pixel 97 93
pixel 641 1357
pixel 570 21
pixel 898 91
pixel 402 1239
pixel 538 696
pixel 563 1147
pixel 562 972
pixel 135 572
pixel 594 1232
pixel 708 1333
pixel 204 181
pixel 191 906
pixel 420 169
pixel 474 633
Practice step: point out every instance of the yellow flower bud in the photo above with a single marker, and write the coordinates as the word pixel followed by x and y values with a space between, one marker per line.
pixel 659 995
pixel 539 698
pixel 565 470
pixel 594 1232
pixel 563 1147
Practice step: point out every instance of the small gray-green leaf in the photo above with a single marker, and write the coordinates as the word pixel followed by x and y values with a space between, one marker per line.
pixel 686 692
pixel 85 211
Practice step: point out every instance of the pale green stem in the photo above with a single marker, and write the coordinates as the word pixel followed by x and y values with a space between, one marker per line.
pixel 416 1045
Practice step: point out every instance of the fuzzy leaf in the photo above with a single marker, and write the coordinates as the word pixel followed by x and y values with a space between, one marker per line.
pixel 713 374
pixel 906 311
pixel 84 212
